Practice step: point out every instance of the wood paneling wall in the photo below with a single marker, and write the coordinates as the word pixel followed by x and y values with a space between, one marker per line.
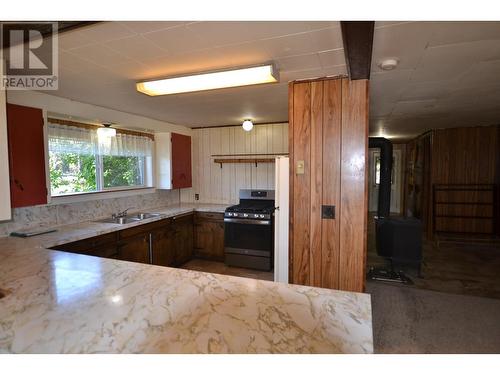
pixel 465 156
pixel 458 156
pixel 221 185
pixel 329 135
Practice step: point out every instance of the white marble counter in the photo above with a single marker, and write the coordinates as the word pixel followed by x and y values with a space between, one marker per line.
pixel 58 302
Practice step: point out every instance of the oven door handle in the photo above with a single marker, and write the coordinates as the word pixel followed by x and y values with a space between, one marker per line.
pixel 247 221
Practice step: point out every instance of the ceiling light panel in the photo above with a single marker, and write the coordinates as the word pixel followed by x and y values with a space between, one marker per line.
pixel 210 81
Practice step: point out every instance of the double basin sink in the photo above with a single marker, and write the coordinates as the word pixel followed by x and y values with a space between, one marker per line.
pixel 132 218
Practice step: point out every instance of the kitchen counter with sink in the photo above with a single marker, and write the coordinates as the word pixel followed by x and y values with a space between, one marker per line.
pixel 57 302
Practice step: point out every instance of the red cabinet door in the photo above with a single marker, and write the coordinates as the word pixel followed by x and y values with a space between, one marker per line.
pixel 181 161
pixel 28 185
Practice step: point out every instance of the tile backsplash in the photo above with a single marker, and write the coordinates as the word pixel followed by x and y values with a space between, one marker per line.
pixel 71 213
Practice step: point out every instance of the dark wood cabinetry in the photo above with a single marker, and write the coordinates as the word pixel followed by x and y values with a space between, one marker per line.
pixel 183 238
pixel 162 243
pixel 104 246
pixel 209 235
pixel 135 249
pixel 169 242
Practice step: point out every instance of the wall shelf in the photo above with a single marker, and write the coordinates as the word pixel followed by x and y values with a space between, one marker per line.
pixel 244 161
pixel 255 155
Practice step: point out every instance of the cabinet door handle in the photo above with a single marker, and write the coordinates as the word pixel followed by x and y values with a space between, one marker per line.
pixel 150 248
pixel 18 184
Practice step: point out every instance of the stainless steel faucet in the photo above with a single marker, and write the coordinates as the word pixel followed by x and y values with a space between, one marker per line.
pixel 121 213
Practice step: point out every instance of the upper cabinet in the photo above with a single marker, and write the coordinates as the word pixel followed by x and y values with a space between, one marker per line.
pixel 173 161
pixel 28 183
pixel 181 161
pixel 5 211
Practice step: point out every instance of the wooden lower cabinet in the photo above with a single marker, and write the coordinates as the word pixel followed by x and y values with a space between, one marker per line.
pixel 135 249
pixel 169 242
pixel 183 238
pixel 162 243
pixel 104 246
pixel 209 235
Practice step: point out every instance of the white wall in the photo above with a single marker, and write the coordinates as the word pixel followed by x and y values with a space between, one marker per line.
pixel 4 158
pixel 221 185
pixel 51 103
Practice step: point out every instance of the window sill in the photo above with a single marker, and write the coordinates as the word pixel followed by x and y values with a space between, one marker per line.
pixel 98 195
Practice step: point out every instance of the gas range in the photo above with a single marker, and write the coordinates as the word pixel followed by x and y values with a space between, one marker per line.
pixel 246 212
pixel 249 230
pixel 254 205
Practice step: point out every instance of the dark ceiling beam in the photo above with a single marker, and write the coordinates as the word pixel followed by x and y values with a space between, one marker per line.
pixel 63 26
pixel 357 37
pixel 46 30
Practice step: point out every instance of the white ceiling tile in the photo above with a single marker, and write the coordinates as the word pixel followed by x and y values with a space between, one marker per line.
pixel 417 107
pixel 326 39
pixel 335 70
pixel 460 32
pixel 99 55
pixel 177 40
pixel 296 44
pixel 105 31
pixel 446 76
pixel 406 41
pixel 332 58
pixel 143 27
pixel 316 25
pixel 425 90
pixel 73 39
pixel 224 32
pixel 449 61
pixel 137 48
pixel 301 62
pixel 382 24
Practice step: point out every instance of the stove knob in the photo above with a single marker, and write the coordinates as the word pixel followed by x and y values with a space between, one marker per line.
pixel 245 215
pixel 229 214
pixel 235 214
pixel 262 216
pixel 255 215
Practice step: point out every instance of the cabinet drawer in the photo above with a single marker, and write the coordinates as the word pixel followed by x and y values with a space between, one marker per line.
pixel 201 216
pixel 135 231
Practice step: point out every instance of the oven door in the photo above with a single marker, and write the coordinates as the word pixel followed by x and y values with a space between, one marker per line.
pixel 248 237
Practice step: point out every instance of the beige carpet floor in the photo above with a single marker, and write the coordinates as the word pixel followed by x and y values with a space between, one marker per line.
pixel 410 320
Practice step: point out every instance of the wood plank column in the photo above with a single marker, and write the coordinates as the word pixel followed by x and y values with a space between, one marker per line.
pixel 328 143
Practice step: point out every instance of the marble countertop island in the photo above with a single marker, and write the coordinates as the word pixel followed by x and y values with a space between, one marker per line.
pixel 57 302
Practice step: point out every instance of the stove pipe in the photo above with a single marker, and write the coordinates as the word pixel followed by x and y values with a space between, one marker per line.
pixel 384 192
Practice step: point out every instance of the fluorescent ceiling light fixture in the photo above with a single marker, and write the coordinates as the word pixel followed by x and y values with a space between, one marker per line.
pixel 210 80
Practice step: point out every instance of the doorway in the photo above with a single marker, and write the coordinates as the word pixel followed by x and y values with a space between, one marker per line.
pixel 374 180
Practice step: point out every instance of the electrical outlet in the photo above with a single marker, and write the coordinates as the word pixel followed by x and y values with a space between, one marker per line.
pixel 197 197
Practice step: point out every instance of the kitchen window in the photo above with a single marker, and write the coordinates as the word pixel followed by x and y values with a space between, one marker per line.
pixel 81 162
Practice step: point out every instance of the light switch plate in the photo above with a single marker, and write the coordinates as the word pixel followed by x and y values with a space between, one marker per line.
pixel 300 167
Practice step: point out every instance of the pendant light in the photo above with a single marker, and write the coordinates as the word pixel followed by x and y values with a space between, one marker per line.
pixel 247 125
pixel 106 131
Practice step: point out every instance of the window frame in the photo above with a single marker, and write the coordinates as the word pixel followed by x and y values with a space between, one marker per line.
pixel 148 185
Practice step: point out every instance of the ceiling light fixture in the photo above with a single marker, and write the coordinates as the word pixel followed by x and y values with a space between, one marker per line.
pixel 247 125
pixel 106 131
pixel 210 80
pixel 388 64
